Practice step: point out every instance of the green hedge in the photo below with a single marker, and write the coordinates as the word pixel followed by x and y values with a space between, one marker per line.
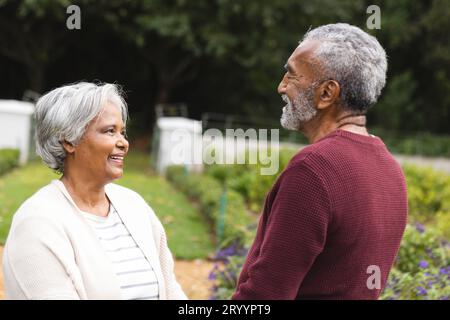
pixel 429 197
pixel 422 267
pixel 208 193
pixel 425 144
pixel 418 143
pixel 9 158
pixel 247 179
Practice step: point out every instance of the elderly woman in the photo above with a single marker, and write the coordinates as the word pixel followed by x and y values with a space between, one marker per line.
pixel 83 237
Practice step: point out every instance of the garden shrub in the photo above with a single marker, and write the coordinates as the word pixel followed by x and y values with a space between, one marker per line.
pixel 425 144
pixel 226 271
pixel 422 268
pixel 429 198
pixel 247 179
pixel 209 192
pixel 9 158
pixel 421 243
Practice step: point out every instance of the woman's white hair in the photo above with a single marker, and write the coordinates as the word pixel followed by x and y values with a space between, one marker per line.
pixel 64 113
pixel 353 58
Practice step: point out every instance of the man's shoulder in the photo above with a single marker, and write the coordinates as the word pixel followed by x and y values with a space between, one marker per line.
pixel 319 151
pixel 338 148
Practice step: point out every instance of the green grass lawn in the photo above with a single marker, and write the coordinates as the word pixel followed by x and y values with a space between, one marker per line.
pixel 187 232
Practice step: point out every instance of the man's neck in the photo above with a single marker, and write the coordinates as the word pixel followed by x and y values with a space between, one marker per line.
pixel 323 125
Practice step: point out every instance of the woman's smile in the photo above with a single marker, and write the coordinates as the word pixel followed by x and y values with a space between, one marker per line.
pixel 116 159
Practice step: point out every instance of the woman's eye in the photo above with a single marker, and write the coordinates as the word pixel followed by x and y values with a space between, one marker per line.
pixel 112 131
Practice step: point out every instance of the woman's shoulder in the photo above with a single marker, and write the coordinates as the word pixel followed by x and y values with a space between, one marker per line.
pixel 40 213
pixel 44 201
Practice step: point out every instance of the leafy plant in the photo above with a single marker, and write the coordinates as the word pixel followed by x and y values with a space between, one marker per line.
pixel 9 158
pixel 222 206
pixel 429 197
pixel 422 268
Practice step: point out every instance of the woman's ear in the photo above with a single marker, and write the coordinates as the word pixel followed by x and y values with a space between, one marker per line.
pixel 68 146
pixel 328 94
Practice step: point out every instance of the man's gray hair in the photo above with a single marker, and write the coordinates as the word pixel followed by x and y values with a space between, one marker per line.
pixel 64 113
pixel 353 58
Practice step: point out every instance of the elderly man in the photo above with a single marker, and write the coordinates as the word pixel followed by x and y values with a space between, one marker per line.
pixel 333 221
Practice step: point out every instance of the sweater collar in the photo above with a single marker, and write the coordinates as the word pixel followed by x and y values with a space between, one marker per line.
pixel 103 263
pixel 374 140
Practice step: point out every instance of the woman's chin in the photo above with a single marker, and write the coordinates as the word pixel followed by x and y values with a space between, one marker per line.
pixel 114 175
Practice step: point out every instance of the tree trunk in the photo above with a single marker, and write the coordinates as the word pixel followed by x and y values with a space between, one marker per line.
pixel 163 93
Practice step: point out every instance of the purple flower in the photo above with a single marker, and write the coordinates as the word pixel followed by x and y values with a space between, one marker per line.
pixel 423 264
pixel 443 270
pixel 429 252
pixel 224 253
pixel 233 250
pixel 421 291
pixel 420 227
pixel 212 276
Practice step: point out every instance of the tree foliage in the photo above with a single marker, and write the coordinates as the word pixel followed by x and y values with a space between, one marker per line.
pixel 221 55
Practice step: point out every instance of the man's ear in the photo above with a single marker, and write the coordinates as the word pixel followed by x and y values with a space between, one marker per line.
pixel 328 94
pixel 68 146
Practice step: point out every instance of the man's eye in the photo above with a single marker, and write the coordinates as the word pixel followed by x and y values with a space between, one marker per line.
pixel 291 77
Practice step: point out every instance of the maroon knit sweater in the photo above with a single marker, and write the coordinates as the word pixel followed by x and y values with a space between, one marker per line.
pixel 339 207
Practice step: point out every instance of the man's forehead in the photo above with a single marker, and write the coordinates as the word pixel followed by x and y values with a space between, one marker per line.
pixel 303 53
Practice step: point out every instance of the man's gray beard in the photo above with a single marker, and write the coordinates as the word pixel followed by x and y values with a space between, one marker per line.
pixel 302 110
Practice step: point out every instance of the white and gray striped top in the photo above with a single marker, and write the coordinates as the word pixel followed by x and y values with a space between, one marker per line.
pixel 135 274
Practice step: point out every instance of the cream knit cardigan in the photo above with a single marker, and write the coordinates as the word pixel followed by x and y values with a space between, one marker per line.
pixel 52 253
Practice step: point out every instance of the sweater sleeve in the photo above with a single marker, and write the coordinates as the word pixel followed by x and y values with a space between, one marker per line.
pixel 294 234
pixel 33 262
pixel 173 288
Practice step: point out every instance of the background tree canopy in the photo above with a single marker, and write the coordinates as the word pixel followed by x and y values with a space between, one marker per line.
pixel 222 56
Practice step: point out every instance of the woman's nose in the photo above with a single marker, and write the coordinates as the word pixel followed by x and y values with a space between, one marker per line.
pixel 122 143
